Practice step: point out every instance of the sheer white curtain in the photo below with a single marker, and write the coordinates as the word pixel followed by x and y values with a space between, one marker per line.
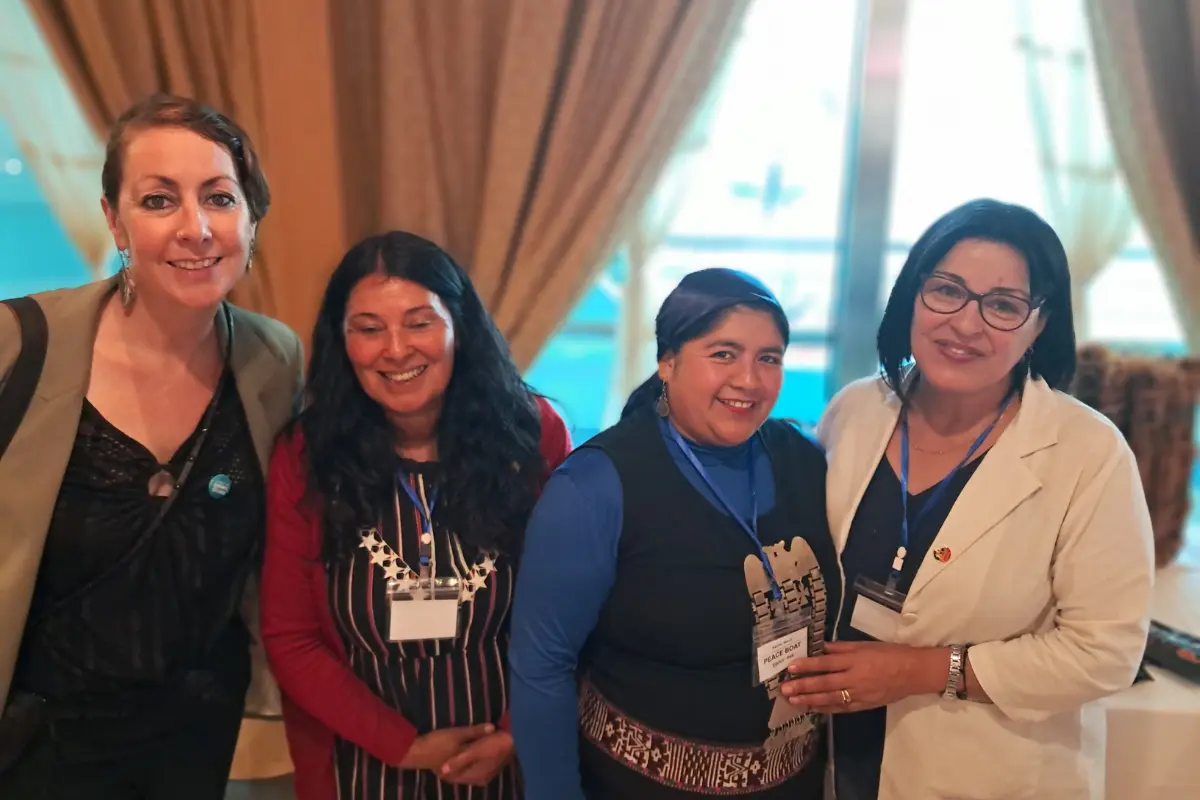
pixel 1086 199
pixel 635 324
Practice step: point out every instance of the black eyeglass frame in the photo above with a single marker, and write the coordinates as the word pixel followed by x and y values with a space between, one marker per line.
pixel 978 299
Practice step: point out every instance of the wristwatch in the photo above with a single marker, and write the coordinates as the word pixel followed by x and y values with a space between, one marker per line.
pixel 956 680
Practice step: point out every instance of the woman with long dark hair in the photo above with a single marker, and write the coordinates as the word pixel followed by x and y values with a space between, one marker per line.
pixel 396 507
pixel 670 568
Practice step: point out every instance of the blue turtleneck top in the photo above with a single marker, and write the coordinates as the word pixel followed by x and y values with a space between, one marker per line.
pixel 567 570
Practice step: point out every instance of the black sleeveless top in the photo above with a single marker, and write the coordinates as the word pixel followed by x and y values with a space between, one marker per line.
pixel 159 622
pixel 673 645
pixel 869 551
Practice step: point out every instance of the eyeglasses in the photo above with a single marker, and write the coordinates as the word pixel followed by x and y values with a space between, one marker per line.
pixel 1000 310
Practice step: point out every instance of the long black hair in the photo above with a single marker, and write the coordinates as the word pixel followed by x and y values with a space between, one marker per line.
pixel 487 435
pixel 693 308
pixel 1053 354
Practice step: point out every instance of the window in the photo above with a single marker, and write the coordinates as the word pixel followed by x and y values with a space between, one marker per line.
pixel 768 195
pixel 1129 305
pixel 575 368
pixel 38 254
pixel 967 129
pixel 764 196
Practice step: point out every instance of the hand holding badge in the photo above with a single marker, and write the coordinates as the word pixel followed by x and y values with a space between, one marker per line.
pixel 789 624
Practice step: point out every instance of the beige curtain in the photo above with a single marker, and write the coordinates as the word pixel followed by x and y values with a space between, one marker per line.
pixel 1086 199
pixel 523 135
pixel 59 147
pixel 1148 64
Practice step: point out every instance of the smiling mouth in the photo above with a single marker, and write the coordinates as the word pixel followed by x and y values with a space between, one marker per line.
pixel 738 405
pixel 195 265
pixel 959 350
pixel 404 377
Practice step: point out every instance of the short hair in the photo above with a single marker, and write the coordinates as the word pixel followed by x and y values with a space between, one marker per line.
pixel 172 111
pixel 1053 356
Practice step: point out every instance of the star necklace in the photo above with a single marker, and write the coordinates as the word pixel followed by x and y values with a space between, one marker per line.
pixel 396 569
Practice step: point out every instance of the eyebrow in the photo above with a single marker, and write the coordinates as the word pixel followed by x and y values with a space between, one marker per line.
pixel 374 315
pixel 172 183
pixel 950 276
pixel 729 344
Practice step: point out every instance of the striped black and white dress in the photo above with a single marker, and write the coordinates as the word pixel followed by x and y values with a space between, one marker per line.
pixel 434 684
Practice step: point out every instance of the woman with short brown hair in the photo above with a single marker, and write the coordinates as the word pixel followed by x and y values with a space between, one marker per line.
pixel 134 487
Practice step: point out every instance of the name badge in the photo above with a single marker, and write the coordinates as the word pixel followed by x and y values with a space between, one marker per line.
pixel 876 610
pixel 774 656
pixel 777 641
pixel 423 613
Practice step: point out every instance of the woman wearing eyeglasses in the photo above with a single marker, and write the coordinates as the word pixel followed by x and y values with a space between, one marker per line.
pixel 993 532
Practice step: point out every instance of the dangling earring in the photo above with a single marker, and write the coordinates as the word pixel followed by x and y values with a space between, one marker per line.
pixel 662 406
pixel 125 281
pixel 250 260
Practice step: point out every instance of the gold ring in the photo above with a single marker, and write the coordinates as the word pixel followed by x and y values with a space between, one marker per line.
pixel 845 697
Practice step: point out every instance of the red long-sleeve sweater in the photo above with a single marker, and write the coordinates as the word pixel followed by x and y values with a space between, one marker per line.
pixel 322 697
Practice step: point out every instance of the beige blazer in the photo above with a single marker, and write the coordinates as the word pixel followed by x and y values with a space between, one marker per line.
pixel 1049 578
pixel 267 360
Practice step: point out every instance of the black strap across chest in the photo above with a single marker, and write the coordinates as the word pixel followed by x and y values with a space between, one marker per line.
pixel 26 371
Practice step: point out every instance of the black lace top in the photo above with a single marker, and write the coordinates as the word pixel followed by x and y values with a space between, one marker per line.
pixel 158 606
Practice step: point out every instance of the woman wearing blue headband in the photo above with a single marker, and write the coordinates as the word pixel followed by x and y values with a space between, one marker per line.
pixel 666 582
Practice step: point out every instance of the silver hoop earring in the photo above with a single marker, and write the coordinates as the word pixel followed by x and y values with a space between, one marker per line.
pixel 662 406
pixel 125 281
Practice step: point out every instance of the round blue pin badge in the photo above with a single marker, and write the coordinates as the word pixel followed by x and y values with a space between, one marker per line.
pixel 219 486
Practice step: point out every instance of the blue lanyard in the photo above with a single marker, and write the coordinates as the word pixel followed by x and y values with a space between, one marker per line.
pixel 942 486
pixel 751 526
pixel 426 520
pixel 426 547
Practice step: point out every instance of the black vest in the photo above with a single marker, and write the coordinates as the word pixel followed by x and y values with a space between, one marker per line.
pixel 673 645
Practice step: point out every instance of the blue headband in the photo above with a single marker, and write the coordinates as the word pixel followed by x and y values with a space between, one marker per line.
pixel 704 293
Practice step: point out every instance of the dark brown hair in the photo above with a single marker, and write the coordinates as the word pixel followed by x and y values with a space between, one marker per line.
pixel 1052 356
pixel 487 433
pixel 172 111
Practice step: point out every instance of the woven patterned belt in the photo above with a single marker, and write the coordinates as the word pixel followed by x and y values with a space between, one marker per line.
pixel 687 765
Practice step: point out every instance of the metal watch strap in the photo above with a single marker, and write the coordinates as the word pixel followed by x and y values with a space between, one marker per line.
pixel 956 679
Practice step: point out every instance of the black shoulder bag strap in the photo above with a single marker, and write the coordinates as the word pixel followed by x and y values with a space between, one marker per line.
pixel 26 371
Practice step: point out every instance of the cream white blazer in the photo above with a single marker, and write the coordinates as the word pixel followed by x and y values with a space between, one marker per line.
pixel 1050 577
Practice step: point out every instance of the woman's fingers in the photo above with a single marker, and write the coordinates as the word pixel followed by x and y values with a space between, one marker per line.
pixel 816 665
